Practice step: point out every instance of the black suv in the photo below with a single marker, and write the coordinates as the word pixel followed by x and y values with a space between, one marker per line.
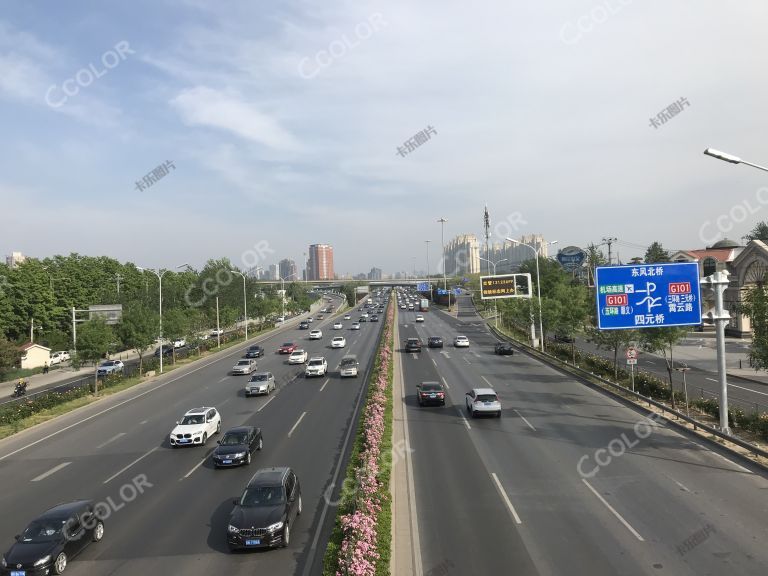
pixel 303 325
pixel 435 342
pixel 263 515
pixel 413 345
pixel 54 538
pixel 254 351
pixel 503 349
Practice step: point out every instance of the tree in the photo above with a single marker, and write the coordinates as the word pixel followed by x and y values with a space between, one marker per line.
pixel 573 312
pixel 94 339
pixel 663 339
pixel 175 326
pixel 613 341
pixel 755 305
pixel 656 254
pixel 759 232
pixel 137 330
pixel 9 356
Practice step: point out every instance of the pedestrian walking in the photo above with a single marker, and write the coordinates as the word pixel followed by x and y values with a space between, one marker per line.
pixel 45 368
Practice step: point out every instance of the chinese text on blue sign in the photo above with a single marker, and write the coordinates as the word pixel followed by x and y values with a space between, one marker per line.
pixel 422 287
pixel 648 295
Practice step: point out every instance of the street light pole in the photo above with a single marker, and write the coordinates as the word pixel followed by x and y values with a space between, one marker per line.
pixel 538 285
pixel 495 307
pixel 429 284
pixel 245 302
pixel 731 158
pixel 442 241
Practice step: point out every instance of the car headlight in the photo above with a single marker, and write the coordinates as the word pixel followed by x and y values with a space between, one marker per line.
pixel 233 529
pixel 239 455
pixel 274 527
pixel 3 563
pixel 42 561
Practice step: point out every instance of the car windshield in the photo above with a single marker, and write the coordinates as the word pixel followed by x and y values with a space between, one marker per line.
pixel 43 530
pixel 487 397
pixel 315 362
pixel 259 377
pixel 193 419
pixel 234 439
pixel 262 496
pixel 427 387
pixel 348 362
pixel 243 363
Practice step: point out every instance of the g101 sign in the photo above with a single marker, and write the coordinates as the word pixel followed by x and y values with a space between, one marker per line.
pixel 648 295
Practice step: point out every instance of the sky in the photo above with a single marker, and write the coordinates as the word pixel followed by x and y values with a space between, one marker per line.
pixel 283 124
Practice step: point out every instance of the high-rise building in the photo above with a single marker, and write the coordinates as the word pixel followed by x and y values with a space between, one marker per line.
pixel 14 259
pixel 320 265
pixel 374 274
pixel 287 269
pixel 272 272
pixel 462 255
pixel 515 254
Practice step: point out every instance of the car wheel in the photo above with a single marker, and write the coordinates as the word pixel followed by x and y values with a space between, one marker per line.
pixel 98 531
pixel 261 444
pixel 205 438
pixel 499 414
pixel 60 563
pixel 218 427
pixel 286 536
pixel 248 458
pixel 299 507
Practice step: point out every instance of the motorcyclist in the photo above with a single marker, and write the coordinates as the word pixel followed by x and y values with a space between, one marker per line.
pixel 21 386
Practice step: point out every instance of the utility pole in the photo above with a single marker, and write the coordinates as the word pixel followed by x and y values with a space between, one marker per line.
pixel 610 240
pixel 118 278
pixel 487 224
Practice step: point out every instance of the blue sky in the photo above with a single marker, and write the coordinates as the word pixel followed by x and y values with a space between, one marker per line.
pixel 283 122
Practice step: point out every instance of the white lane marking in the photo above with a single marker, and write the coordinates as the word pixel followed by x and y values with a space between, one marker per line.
pixel 731 462
pixel 613 511
pixel 649 362
pixel 115 437
pixel 681 485
pixel 143 421
pixel 466 360
pixel 297 423
pixel 747 389
pixel 433 362
pixel 415 356
pixel 525 420
pixel 188 474
pixel 140 458
pixel 710 379
pixel 444 353
pixel 466 423
pixel 265 404
pixel 51 471
pixel 220 404
pixel 444 382
pixel 505 498
pixel 324 383
pixel 92 416
pixel 475 354
pixel 486 381
pixel 225 377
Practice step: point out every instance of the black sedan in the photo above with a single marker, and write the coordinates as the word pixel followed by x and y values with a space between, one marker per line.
pixel 254 351
pixel 236 446
pixel 503 349
pixel 430 393
pixel 52 539
pixel 435 342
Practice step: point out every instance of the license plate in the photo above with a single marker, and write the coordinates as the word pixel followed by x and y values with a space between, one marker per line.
pixel 183 440
pixel 226 461
pixel 255 542
pixel 488 404
pixel 18 573
pixel 432 396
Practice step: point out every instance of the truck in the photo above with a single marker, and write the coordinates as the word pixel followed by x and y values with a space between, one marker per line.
pixel 424 305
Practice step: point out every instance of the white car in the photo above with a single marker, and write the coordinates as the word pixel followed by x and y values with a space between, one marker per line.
pixel 461 342
pixel 402 306
pixel 355 326
pixel 315 334
pixel 338 342
pixel 179 342
pixel 59 357
pixel 297 357
pixel 338 326
pixel 244 366
pixel 217 332
pixel 419 318
pixel 260 383
pixel 196 427
pixel 347 317
pixel 317 366
pixel 483 401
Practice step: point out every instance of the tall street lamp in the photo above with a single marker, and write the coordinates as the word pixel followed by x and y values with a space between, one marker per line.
pixel 429 284
pixel 282 289
pixel 538 285
pixel 245 302
pixel 442 241
pixel 731 158
pixel 160 275
pixel 495 307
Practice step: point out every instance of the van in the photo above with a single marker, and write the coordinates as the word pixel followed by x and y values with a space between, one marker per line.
pixel 349 366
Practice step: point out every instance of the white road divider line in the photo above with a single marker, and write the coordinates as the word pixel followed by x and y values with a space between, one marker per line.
pixel 747 389
pixel 324 383
pixel 710 379
pixel 265 404
pixel 487 381
pixel 613 511
pixel 444 382
pixel 524 420
pixel 225 378
pixel 467 360
pixel 115 437
pixel 297 423
pixel 681 485
pixel 466 423
pixel 433 362
pixel 53 470
pixel 505 498
pixel 188 474
pixel 139 459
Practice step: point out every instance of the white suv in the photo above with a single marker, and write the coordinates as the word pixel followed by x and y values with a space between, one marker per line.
pixel 196 427
pixel 483 401
pixel 315 334
pixel 317 366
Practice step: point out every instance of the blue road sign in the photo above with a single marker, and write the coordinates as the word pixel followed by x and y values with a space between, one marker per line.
pixel 457 291
pixel 648 295
pixel 442 292
pixel 422 287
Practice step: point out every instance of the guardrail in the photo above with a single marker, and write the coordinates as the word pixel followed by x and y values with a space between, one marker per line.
pixel 586 375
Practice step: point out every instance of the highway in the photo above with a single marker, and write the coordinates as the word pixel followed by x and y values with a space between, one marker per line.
pixel 567 481
pixel 169 507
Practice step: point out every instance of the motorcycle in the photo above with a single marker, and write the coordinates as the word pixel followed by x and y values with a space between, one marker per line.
pixel 21 390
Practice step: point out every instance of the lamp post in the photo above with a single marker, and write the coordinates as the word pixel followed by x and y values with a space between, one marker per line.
pixel 159 275
pixel 683 367
pixel 282 289
pixel 495 307
pixel 429 284
pixel 538 285
pixel 731 158
pixel 442 241
pixel 245 302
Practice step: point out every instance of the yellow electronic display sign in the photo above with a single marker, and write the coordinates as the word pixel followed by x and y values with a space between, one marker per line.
pixel 505 286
